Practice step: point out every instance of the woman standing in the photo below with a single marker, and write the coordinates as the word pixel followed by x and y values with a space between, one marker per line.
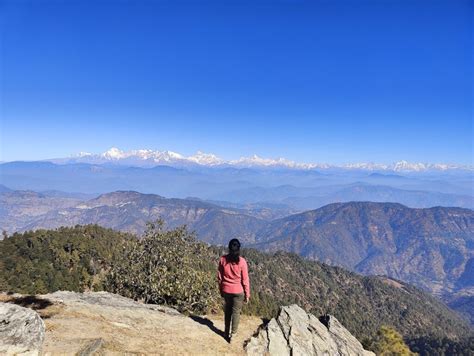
pixel 234 286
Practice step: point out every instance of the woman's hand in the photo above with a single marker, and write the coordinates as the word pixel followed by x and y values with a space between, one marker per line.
pixel 246 300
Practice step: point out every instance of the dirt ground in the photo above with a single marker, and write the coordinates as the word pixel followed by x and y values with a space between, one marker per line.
pixel 77 327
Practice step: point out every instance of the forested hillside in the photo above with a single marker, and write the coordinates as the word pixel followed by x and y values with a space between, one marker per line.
pixel 69 258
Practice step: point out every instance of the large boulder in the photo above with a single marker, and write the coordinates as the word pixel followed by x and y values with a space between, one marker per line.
pixel 21 330
pixel 295 332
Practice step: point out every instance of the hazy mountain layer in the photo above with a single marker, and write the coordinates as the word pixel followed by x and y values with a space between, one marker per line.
pixel 295 189
pixel 313 198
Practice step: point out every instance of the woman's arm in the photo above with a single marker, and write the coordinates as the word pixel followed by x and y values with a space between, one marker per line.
pixel 245 280
pixel 220 273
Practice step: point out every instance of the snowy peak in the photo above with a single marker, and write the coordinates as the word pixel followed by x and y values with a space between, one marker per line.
pixel 268 162
pixel 206 159
pixel 150 158
pixel 114 153
pixel 145 157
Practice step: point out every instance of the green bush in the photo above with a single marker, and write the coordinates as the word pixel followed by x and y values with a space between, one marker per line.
pixel 167 267
pixel 388 342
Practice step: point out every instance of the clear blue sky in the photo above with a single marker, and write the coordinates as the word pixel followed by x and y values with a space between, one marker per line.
pixel 319 81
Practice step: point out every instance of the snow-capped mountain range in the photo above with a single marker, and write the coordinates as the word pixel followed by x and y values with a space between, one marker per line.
pixel 150 158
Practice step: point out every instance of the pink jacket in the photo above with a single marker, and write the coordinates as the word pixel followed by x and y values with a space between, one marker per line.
pixel 233 277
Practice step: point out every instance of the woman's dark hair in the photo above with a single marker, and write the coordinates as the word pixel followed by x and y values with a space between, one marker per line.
pixel 234 251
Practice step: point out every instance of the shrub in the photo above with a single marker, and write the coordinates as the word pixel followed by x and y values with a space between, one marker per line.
pixel 388 342
pixel 167 267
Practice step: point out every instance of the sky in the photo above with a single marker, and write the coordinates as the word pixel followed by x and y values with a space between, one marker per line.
pixel 333 81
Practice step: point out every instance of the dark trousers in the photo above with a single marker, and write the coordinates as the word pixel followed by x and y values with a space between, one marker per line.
pixel 232 308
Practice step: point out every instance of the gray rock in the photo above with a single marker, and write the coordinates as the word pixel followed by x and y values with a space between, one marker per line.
pixel 295 332
pixel 21 330
pixel 277 344
pixel 258 344
pixel 345 341
pixel 106 299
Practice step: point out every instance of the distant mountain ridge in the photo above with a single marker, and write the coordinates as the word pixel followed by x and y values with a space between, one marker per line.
pixel 432 248
pixel 126 211
pixel 147 157
pixel 311 198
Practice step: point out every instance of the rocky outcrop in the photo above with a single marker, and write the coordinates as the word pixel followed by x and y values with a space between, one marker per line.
pixel 295 332
pixel 22 330
pixel 105 299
